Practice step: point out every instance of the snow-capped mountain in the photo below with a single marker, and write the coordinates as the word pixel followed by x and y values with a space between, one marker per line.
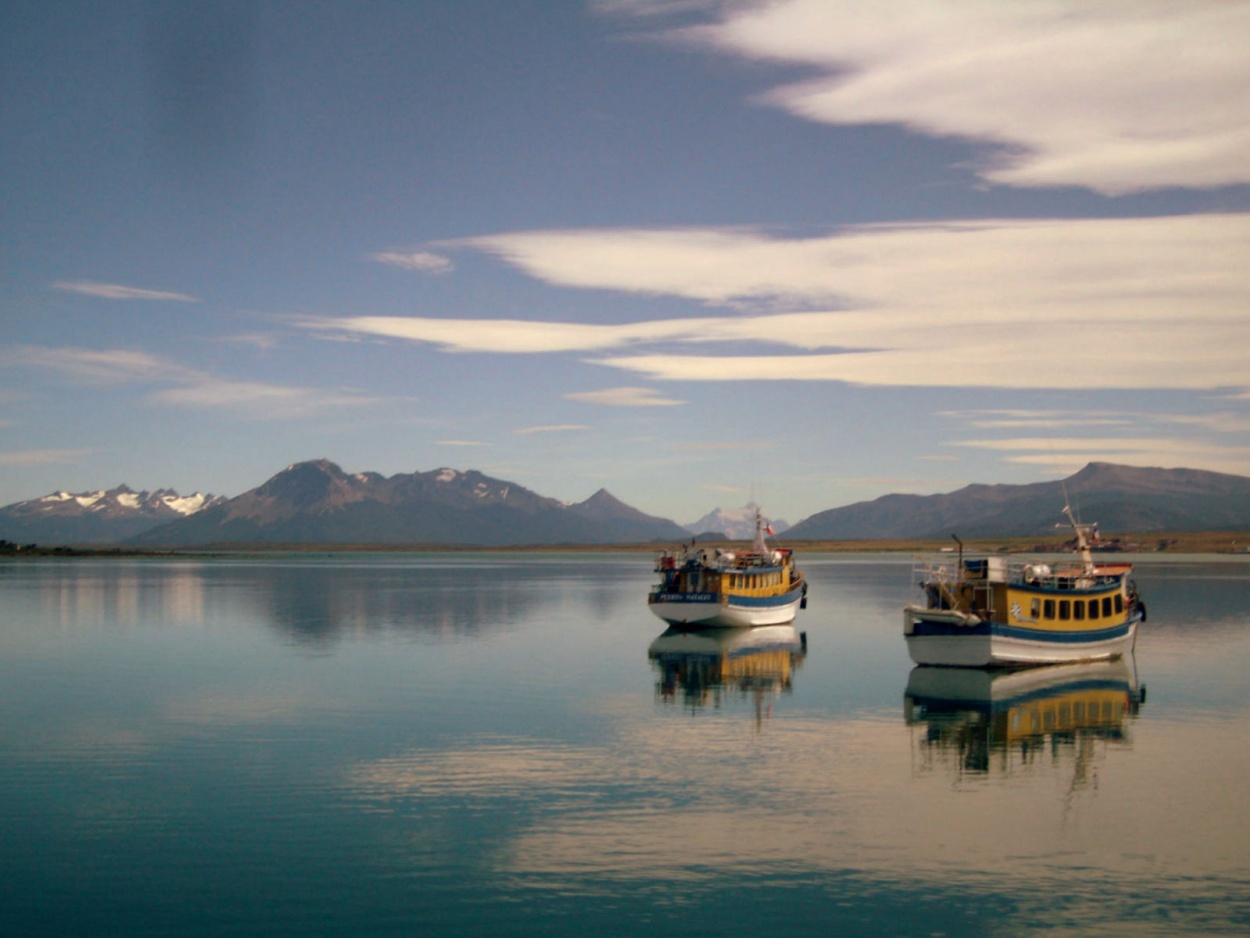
pixel 317 502
pixel 102 517
pixel 737 524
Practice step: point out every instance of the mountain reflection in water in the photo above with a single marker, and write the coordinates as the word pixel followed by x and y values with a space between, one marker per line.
pixel 986 720
pixel 707 667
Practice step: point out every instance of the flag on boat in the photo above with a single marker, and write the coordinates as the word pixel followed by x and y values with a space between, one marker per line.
pixel 769 530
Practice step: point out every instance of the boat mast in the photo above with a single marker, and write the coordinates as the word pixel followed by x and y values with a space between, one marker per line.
pixel 759 546
pixel 1082 544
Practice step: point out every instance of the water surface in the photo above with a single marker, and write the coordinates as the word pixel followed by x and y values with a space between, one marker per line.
pixel 403 744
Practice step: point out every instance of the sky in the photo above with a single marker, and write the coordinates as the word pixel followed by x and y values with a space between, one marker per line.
pixel 698 252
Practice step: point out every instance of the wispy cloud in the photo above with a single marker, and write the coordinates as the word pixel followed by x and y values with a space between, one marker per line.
pixel 41 457
pixel 1115 98
pixel 1223 422
pixel 425 261
pixel 725 447
pixel 1083 304
pixel 1035 419
pixel 461 443
pixel 552 428
pixel 113 291
pixel 191 387
pixel 105 366
pixel 625 397
pixel 1066 454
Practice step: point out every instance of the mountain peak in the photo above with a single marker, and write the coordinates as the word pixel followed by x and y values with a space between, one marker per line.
pixel 735 523
pixel 304 481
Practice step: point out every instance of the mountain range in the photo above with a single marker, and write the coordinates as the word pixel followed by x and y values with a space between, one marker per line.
pixel 102 517
pixel 317 502
pixel 1118 498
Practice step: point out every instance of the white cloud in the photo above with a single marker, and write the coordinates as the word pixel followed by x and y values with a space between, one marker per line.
pixel 1065 455
pixel 1057 419
pixel 260 398
pixel 41 457
pixel 553 428
pixel 1114 97
pixel 424 261
pixel 720 447
pixel 1083 304
pixel 1036 419
pixel 113 291
pixel 508 336
pixel 191 388
pixel 94 365
pixel 624 397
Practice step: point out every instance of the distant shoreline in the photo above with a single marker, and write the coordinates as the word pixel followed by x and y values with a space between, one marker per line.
pixel 1183 542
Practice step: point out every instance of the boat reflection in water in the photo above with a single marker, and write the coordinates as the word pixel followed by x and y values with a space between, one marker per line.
pixel 994 720
pixel 702 667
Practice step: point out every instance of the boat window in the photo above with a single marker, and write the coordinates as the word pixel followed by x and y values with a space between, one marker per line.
pixel 1078 609
pixel 1050 609
pixel 1106 607
pixel 1093 609
pixel 1119 602
pixel 1065 609
pixel 1035 608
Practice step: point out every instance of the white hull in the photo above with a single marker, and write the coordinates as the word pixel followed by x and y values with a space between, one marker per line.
pixel 981 651
pixel 713 615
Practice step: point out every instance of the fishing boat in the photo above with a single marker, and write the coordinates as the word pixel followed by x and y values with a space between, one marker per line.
pixel 989 612
pixel 725 589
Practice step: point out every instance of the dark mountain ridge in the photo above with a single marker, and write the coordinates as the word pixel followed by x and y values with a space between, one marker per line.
pixel 316 502
pixel 1119 498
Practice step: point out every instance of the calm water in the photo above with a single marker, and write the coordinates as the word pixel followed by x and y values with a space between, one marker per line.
pixel 403 745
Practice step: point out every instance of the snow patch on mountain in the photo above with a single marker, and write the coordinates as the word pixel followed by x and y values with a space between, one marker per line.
pixel 188 505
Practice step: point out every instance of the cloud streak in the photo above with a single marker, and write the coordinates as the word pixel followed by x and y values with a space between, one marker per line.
pixel 113 291
pixel 551 428
pixel 424 261
pixel 191 388
pixel 624 397
pixel 1129 303
pixel 1117 98
pixel 41 457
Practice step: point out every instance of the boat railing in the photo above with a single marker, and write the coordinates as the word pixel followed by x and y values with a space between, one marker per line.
pixel 1059 574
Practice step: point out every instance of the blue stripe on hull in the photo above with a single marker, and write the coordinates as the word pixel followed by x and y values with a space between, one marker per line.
pixel 705 609
pixel 921 627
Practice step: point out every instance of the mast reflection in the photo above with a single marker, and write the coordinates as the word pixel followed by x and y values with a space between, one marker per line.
pixel 708 667
pixel 990 720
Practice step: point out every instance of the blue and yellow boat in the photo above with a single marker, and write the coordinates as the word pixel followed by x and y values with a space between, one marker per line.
pixel 726 589
pixel 989 612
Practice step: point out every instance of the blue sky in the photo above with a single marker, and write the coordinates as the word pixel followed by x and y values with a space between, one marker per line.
pixel 806 251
